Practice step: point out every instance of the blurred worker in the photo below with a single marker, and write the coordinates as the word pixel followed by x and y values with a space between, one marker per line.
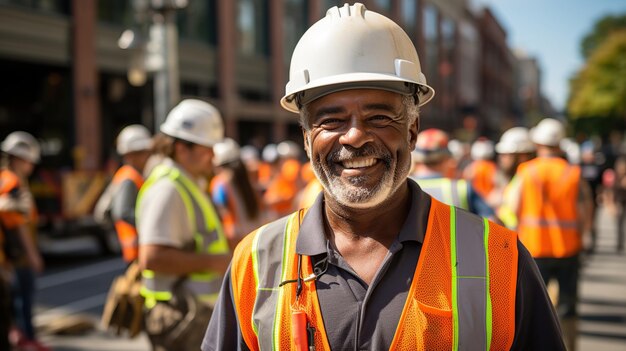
pixel 134 144
pixel 591 168
pixel 281 193
pixel 311 190
pixel 616 197
pixel 182 247
pixel 268 169
pixel 249 155
pixel 18 217
pixel 368 266
pixel 460 151
pixel 231 190
pixel 433 161
pixel 514 148
pixel 553 205
pixel 482 172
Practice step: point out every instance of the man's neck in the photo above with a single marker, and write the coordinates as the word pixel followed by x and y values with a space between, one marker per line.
pixel 381 223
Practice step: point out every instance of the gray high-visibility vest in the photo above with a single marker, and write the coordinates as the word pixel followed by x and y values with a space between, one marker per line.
pixel 208 237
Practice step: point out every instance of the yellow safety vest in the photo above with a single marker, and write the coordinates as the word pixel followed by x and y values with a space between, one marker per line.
pixel 208 236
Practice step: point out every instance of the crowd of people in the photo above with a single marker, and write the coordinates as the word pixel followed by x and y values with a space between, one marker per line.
pixel 374 235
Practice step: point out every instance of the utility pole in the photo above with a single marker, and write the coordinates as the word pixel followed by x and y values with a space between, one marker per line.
pixel 157 54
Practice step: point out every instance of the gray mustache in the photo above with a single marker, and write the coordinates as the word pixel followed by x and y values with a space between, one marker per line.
pixel 346 153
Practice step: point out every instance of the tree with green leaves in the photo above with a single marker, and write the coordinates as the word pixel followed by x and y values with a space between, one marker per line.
pixel 599 89
pixel 601 30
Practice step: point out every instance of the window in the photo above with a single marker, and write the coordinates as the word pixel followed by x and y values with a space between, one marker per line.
pixel 431 38
pixel 198 21
pixel 409 16
pixel 294 24
pixel 252 27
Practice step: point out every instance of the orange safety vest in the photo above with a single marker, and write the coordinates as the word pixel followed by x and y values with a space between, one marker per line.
pixel 9 181
pixel 126 232
pixel 445 308
pixel 548 215
pixel 482 174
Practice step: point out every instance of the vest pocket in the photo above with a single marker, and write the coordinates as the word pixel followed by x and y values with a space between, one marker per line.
pixel 436 327
pixel 429 310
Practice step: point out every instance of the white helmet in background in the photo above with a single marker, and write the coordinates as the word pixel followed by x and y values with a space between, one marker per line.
pixel 195 121
pixel 571 149
pixel 515 141
pixel 360 49
pixel 482 149
pixel 548 132
pixel 288 149
pixel 269 154
pixel 22 145
pixel 133 138
pixel 226 151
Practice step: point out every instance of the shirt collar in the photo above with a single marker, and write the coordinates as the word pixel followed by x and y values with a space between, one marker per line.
pixel 312 239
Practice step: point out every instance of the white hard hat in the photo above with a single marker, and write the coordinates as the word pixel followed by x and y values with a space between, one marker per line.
pixel 571 149
pixel 195 121
pixel 133 138
pixel 249 153
pixel 482 149
pixel 352 48
pixel 269 154
pixel 22 145
pixel 288 149
pixel 515 141
pixel 548 132
pixel 226 151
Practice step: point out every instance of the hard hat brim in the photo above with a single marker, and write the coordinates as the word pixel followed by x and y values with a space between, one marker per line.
pixel 328 85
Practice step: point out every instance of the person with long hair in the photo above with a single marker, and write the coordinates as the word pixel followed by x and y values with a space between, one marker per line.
pixel 232 192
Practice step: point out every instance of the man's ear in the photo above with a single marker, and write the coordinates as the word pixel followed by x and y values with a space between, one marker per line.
pixel 412 133
pixel 305 137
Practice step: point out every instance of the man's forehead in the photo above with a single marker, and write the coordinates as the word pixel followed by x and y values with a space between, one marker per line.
pixel 368 99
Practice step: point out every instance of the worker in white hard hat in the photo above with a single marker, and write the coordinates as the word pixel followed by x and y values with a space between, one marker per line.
pixel 236 199
pixel 18 221
pixel 513 149
pixel 182 247
pixel 375 263
pixel 433 166
pixel 553 204
pixel 134 145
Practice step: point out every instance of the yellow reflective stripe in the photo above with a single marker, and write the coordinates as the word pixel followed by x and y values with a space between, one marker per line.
pixel 279 306
pixel 148 274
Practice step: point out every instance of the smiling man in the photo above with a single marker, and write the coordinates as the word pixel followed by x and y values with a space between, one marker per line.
pixel 375 263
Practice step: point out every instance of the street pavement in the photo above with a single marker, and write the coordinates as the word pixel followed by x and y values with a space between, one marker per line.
pixel 602 305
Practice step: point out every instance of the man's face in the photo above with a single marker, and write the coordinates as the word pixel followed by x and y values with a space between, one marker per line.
pixel 201 158
pixel 360 145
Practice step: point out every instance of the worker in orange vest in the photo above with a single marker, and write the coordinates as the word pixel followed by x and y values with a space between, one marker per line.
pixel 375 263
pixel 482 172
pixel 18 218
pixel 553 206
pixel 280 196
pixel 134 144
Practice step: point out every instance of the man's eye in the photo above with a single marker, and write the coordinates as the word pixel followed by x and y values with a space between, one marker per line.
pixel 329 122
pixel 380 119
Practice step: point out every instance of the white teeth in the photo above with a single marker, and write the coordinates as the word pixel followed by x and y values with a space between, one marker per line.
pixel 359 163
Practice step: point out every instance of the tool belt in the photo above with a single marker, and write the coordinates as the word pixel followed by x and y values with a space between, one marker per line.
pixel 123 309
pixel 180 323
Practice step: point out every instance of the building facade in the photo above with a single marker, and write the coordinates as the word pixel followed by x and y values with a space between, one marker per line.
pixel 66 78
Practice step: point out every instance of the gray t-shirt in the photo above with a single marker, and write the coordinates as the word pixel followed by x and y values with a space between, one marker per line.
pixel 163 218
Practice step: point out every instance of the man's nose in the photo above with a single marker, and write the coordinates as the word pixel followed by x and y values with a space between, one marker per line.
pixel 356 135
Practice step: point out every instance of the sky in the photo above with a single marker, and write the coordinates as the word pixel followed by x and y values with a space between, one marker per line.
pixel 551 30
